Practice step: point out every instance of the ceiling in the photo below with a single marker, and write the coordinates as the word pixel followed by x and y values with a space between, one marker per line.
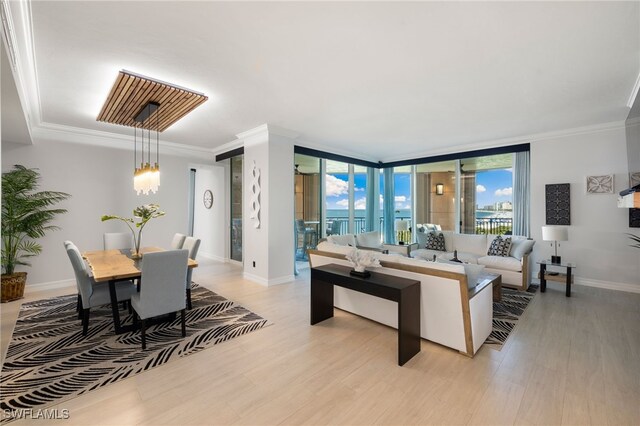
pixel 381 80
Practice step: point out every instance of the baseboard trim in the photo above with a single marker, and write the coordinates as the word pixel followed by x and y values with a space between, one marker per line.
pixel 608 285
pixel 50 285
pixel 265 282
pixel 215 257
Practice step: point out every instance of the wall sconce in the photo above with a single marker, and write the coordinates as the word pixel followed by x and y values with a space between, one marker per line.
pixel 439 189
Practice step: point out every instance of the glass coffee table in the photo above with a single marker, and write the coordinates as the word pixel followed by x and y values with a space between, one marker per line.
pixel 565 277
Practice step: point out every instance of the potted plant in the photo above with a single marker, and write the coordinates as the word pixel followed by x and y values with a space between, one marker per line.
pixel 26 216
pixel 144 214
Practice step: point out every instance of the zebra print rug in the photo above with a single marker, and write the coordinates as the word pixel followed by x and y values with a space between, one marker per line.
pixel 506 314
pixel 49 361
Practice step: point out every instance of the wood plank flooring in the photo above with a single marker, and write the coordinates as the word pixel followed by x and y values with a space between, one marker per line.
pixel 570 361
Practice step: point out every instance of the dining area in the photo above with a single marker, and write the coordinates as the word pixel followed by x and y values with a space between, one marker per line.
pixel 142 285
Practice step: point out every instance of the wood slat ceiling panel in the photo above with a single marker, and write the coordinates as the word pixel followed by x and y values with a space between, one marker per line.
pixel 131 93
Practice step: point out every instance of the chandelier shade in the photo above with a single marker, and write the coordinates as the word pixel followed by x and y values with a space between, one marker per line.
pixel 148 105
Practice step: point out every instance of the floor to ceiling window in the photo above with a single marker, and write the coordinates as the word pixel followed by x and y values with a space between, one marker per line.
pixel 337 197
pixel 308 204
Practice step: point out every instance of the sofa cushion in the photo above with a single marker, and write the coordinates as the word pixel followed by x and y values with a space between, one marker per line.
pixel 448 240
pixel 470 243
pixel 500 246
pixel 507 263
pixel 472 271
pixel 520 247
pixel 369 239
pixel 462 256
pixel 435 241
pixel 421 239
pixel 342 240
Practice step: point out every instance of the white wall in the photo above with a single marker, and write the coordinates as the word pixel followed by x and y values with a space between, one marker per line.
pixel 597 241
pixel 100 181
pixel 211 225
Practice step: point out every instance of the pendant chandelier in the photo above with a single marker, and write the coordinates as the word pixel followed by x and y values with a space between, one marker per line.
pixel 146 178
pixel 149 106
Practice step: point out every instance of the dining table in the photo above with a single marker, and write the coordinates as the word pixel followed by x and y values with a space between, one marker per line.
pixel 118 265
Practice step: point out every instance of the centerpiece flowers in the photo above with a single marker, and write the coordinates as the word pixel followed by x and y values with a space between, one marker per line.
pixel 362 259
pixel 142 215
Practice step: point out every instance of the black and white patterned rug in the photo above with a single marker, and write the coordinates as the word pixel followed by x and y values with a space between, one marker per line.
pixel 49 360
pixel 507 312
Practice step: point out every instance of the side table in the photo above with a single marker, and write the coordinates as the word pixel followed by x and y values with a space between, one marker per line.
pixel 545 275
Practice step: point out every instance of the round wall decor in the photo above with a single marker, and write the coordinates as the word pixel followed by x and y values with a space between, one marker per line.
pixel 207 199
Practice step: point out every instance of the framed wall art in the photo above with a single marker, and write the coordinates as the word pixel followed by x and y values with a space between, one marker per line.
pixel 558 204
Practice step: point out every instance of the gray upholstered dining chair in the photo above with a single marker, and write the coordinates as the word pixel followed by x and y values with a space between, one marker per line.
pixel 93 294
pixel 191 244
pixel 118 240
pixel 161 289
pixel 178 241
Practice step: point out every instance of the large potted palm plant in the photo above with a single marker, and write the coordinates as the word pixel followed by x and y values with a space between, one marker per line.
pixel 26 216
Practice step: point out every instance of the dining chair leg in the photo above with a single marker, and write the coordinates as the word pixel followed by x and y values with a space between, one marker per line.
pixel 79 307
pixel 143 329
pixel 184 327
pixel 189 297
pixel 85 321
pixel 78 303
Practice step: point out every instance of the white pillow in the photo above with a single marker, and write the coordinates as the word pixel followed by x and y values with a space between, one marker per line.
pixel 342 240
pixel 421 239
pixel 472 271
pixel 369 239
pixel 521 247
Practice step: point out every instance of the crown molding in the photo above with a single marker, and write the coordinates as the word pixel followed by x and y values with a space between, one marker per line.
pixel 613 125
pixel 338 151
pixel 69 134
pixel 229 146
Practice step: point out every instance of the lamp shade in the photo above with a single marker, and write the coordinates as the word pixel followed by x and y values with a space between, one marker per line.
pixel 555 233
pixel 402 225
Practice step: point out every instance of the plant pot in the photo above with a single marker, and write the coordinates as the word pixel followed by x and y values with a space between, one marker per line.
pixel 13 286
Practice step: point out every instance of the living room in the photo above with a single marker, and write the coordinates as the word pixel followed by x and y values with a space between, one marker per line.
pixel 376 82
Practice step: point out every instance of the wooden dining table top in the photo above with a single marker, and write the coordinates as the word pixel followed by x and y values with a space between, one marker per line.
pixel 109 265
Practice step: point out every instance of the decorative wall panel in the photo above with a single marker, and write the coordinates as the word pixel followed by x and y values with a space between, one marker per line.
pixel 558 204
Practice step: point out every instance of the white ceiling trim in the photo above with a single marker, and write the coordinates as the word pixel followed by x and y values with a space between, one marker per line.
pixel 19 22
pixel 61 133
pixel 514 140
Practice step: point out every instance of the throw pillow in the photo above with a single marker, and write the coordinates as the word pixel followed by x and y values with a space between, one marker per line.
pixel 435 241
pixel 500 246
pixel 521 247
pixel 421 239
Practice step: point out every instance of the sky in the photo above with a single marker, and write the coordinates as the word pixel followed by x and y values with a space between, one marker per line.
pixel 491 186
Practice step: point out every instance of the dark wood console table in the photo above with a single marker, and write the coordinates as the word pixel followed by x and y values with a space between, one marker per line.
pixel 405 292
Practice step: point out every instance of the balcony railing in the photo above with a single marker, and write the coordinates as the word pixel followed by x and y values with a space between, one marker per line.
pixel 493 225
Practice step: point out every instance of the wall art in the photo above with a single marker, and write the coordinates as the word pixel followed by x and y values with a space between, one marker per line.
pixel 255 196
pixel 634 218
pixel 558 204
pixel 600 184
pixel 634 179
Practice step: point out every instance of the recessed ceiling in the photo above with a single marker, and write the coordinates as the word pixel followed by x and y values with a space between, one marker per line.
pixel 380 79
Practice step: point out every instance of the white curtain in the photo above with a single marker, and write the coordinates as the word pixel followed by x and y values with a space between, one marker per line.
pixel 521 203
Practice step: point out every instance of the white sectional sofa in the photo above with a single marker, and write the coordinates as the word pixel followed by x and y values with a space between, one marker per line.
pixel 515 268
pixel 455 310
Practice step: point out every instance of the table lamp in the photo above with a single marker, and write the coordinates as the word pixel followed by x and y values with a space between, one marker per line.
pixel 555 234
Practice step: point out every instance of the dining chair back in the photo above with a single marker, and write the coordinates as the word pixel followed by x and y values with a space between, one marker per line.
pixel 178 241
pixel 90 293
pixel 191 244
pixel 161 289
pixel 118 240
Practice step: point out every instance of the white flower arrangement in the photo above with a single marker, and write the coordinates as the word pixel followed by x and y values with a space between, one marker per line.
pixel 362 259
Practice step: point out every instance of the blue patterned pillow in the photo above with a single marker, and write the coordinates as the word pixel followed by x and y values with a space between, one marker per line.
pixel 435 241
pixel 500 246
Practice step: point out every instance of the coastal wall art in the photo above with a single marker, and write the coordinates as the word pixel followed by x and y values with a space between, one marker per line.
pixel 634 218
pixel 558 204
pixel 600 184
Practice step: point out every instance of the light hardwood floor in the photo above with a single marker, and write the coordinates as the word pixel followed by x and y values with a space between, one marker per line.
pixel 570 361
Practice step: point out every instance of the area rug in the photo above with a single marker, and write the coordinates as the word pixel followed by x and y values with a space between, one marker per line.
pixel 49 361
pixel 507 313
